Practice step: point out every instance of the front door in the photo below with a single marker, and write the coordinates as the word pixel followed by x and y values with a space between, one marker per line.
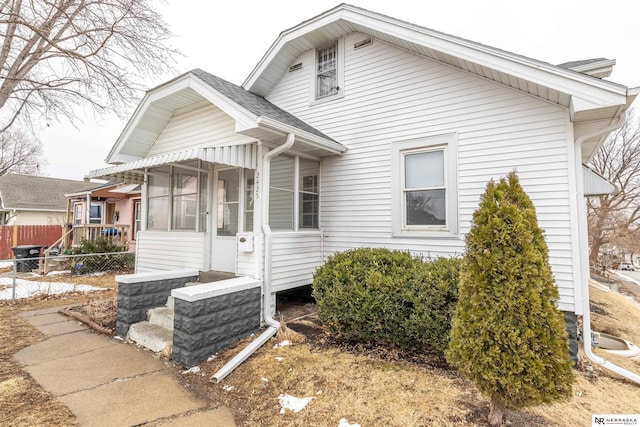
pixel 226 219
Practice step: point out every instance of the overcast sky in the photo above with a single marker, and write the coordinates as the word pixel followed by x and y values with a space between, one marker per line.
pixel 228 38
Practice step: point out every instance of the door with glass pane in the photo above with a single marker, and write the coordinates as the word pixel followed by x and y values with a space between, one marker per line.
pixel 227 217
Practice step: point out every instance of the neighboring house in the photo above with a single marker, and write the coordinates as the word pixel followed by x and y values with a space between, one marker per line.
pixel 112 210
pixel 36 200
pixel 357 129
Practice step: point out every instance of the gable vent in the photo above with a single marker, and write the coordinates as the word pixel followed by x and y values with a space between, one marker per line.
pixel 295 67
pixel 363 43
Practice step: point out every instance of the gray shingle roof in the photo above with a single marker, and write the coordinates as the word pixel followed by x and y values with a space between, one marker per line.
pixel 37 192
pixel 254 103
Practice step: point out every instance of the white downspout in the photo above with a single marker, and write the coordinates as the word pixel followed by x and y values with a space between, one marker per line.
pixel 586 315
pixel 273 325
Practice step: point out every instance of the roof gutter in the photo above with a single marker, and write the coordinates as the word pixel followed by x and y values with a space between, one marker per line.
pixel 272 324
pixel 586 314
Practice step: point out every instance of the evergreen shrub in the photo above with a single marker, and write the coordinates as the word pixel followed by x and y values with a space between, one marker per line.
pixel 508 335
pixel 116 257
pixel 384 296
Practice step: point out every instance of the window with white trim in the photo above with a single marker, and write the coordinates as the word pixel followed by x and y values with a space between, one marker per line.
pixel 327 71
pixel 328 75
pixel 425 186
pixel 96 213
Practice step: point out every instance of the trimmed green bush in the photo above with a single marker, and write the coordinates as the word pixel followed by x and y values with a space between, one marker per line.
pixel 116 259
pixel 508 336
pixel 101 245
pixel 380 295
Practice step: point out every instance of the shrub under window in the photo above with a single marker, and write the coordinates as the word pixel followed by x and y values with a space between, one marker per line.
pixel 379 295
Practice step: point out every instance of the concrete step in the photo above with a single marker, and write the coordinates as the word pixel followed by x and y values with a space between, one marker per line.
pixel 161 316
pixel 154 337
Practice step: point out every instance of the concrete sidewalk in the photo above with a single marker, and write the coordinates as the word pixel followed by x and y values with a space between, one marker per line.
pixel 106 382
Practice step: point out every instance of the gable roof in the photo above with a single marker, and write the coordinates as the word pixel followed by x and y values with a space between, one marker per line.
pixel 581 93
pixel 254 103
pixel 27 192
pixel 254 116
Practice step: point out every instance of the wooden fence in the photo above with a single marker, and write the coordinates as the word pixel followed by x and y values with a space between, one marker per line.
pixel 15 235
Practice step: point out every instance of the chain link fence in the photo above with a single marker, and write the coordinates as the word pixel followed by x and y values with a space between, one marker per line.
pixel 27 277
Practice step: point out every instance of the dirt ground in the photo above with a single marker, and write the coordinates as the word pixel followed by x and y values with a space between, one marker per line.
pixel 365 384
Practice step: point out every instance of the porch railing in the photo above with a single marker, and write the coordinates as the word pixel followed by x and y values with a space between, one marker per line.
pixel 115 233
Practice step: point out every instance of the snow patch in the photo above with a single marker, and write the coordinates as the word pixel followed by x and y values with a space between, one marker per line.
pixel 282 344
pixel 193 370
pixel 294 404
pixel 227 387
pixel 27 288
pixel 344 423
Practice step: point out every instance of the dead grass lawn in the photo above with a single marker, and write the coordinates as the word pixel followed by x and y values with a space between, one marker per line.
pixel 367 385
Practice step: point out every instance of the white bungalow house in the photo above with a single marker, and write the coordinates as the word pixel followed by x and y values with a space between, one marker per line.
pixel 357 129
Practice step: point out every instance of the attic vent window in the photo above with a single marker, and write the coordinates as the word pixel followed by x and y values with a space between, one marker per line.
pixel 363 43
pixel 295 67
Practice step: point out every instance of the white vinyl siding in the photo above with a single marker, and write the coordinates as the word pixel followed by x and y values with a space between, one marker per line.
pixel 295 257
pixel 394 95
pixel 204 126
pixel 169 251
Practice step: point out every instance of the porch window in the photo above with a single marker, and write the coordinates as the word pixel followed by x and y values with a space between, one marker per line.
pixel 96 213
pixel 281 193
pixel 177 198
pixel 293 194
pixel 425 182
pixel 158 202
pixel 185 202
pixel 309 196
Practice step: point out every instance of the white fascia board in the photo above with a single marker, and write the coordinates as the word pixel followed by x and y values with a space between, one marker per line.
pixel 303 136
pixel 120 158
pixel 185 81
pixel 126 132
pixel 600 92
pixel 285 37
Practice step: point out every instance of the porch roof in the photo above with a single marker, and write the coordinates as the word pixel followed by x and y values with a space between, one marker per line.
pixel 243 155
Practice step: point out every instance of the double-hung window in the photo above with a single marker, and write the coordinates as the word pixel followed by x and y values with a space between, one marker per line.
pixel 328 76
pixel 424 190
pixel 327 71
pixel 424 193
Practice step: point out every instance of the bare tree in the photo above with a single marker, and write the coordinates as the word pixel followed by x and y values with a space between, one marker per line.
pixel 57 54
pixel 613 218
pixel 19 153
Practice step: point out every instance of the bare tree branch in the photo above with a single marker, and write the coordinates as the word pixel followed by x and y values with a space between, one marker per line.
pixel 615 218
pixel 56 54
pixel 19 153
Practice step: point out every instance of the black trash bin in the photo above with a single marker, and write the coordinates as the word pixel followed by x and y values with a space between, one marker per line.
pixel 27 256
